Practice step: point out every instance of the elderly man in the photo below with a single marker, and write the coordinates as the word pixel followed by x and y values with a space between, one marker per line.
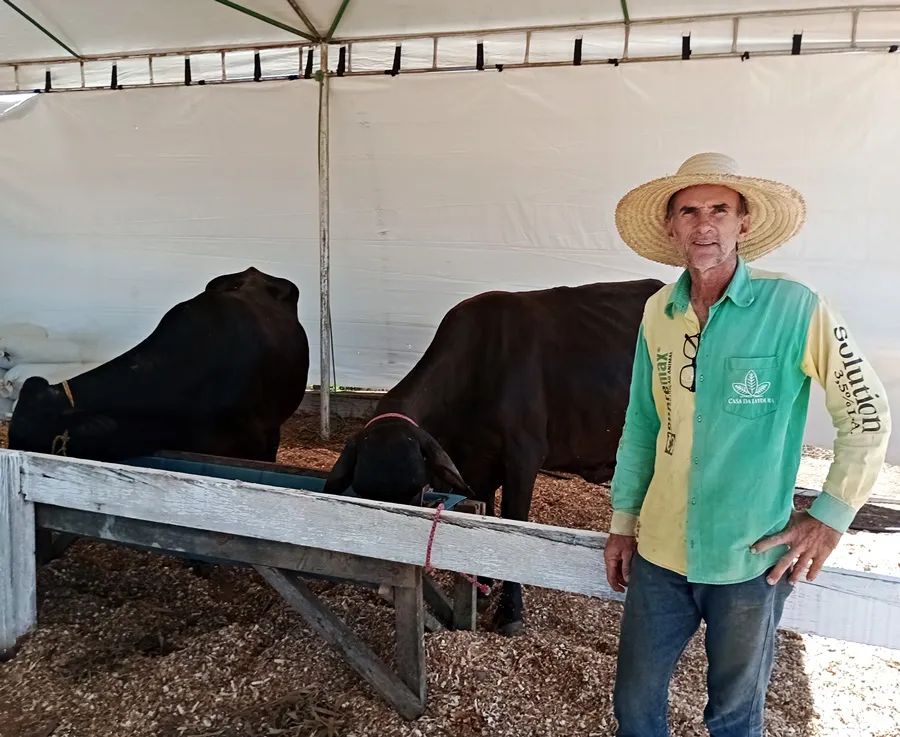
pixel 703 526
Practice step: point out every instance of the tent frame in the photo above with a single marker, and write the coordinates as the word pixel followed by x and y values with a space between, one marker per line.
pixel 325 73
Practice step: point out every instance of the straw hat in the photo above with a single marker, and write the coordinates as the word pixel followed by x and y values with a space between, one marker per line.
pixel 777 211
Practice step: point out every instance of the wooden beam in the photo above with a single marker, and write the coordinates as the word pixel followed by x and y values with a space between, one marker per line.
pixel 358 655
pixel 847 605
pixel 220 547
pixel 539 555
pixel 18 575
pixel 438 601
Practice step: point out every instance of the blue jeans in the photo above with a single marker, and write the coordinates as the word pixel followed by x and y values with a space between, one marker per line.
pixel 662 611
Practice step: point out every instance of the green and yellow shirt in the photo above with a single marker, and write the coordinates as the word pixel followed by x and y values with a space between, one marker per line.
pixel 713 433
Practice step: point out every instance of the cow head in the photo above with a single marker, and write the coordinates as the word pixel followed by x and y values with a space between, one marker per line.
pixel 252 279
pixel 44 421
pixel 393 461
pixel 40 416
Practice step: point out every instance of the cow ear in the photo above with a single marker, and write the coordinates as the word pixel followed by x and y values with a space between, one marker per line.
pixel 443 470
pixel 341 475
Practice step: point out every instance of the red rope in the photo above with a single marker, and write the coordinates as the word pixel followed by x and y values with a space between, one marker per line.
pixel 483 588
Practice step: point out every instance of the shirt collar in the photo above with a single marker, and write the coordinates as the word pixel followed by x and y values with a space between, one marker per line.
pixel 739 291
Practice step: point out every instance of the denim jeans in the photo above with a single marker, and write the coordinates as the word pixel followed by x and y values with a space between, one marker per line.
pixel 662 611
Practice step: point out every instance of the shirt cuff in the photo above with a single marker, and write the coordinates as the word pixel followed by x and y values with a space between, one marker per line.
pixel 832 511
pixel 623 523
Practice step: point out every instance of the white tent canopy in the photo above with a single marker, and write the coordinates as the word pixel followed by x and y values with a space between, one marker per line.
pixel 40 30
pixel 439 186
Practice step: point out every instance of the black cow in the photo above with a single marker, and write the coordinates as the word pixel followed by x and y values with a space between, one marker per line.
pixel 512 382
pixel 219 375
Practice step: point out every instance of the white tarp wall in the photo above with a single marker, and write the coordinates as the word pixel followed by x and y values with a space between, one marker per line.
pixel 118 204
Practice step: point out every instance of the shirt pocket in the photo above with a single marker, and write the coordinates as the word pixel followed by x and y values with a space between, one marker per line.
pixel 751 386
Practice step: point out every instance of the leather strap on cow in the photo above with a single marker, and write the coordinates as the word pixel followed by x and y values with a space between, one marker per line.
pixel 387 415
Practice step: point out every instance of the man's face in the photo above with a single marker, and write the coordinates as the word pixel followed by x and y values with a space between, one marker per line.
pixel 706 225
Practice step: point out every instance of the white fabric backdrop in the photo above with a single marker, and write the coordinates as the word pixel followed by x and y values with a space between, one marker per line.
pixel 442 189
pixel 117 205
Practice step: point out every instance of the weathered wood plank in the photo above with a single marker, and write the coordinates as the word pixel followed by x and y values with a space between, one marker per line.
pixel 465 604
pixel 218 546
pixel 357 654
pixel 410 633
pixel 438 601
pixel 847 605
pixel 541 555
pixel 18 575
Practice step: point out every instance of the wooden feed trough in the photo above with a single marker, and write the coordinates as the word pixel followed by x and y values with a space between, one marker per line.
pixel 285 531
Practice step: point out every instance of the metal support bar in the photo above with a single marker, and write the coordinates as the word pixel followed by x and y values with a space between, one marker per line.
pixel 734 35
pixel 306 21
pixel 655 21
pixel 625 11
pixel 324 252
pixel 266 19
pixel 510 66
pixel 41 28
pixel 337 19
pixel 481 33
pixel 853 29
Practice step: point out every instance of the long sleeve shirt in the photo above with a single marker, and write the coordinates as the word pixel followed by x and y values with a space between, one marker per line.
pixel 713 433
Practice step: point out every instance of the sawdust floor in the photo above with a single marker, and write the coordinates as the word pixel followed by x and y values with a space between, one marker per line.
pixel 136 644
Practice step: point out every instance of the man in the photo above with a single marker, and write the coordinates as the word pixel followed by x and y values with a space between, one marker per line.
pixel 712 441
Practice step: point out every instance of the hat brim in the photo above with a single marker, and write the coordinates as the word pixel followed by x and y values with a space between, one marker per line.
pixel 777 212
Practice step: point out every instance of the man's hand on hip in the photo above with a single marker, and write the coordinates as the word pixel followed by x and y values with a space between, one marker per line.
pixel 810 543
pixel 617 555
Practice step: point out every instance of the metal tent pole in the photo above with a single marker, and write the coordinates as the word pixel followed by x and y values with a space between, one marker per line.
pixel 324 251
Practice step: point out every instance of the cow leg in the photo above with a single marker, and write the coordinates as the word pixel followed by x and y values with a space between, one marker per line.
pixel 484 488
pixel 518 488
pixel 273 443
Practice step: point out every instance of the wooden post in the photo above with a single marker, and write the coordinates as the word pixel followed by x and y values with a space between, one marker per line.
pixel 18 574
pixel 410 633
pixel 356 653
pixel 465 604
